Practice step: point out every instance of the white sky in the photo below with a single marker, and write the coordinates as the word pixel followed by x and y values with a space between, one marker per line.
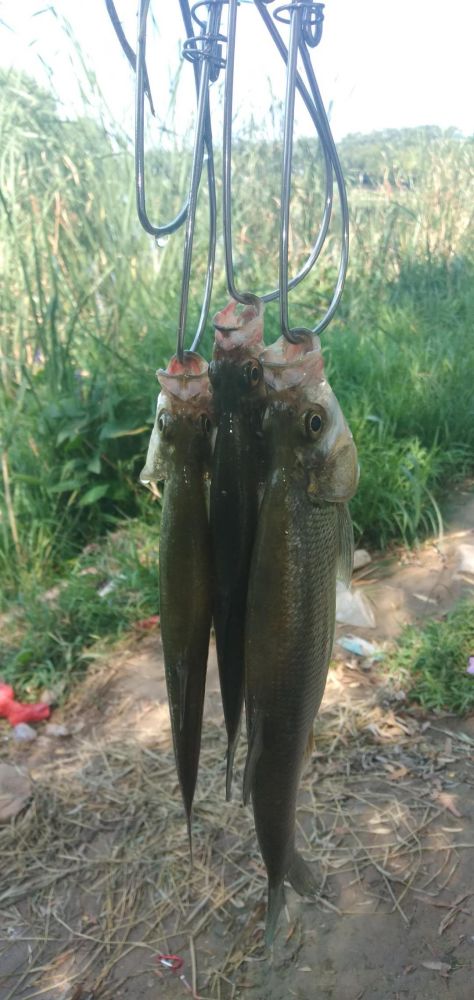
pixel 381 64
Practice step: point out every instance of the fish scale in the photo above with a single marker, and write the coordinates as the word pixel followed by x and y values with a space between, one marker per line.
pixel 179 453
pixel 288 646
pixel 303 541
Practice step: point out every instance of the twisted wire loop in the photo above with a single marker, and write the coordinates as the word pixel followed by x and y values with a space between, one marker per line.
pixel 306 21
pixel 207 45
pixel 311 20
pixel 205 53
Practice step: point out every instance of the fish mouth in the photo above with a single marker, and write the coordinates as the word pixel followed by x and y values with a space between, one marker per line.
pixel 185 379
pixel 286 365
pixel 237 327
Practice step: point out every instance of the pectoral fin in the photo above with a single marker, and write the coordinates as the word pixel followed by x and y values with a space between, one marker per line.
pixel 345 555
pixel 309 747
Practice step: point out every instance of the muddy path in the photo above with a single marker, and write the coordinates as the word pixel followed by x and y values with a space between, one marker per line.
pixel 96 882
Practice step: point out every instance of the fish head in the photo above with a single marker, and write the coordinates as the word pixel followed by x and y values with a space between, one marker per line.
pixel 307 423
pixel 183 428
pixel 235 372
pixel 237 381
pixel 326 452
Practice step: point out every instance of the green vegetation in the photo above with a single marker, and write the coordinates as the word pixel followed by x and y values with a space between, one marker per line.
pixel 88 311
pixel 431 663
pixel 46 635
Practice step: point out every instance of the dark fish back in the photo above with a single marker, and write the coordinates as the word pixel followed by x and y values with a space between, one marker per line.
pixel 233 517
pixel 186 609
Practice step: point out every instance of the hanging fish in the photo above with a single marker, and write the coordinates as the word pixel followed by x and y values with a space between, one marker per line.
pixel 304 539
pixel 180 454
pixel 239 394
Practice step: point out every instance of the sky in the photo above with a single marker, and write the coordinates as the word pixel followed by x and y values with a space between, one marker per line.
pixel 379 65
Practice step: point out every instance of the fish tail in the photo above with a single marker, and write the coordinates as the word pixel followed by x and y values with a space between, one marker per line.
pixel 230 766
pixel 276 902
pixel 301 877
pixel 190 835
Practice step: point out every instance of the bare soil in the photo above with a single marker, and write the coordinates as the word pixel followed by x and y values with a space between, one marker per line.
pixel 96 883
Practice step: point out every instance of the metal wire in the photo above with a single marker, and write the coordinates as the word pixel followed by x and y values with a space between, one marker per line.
pixel 204 51
pixel 149 227
pixel 311 30
pixel 211 180
pixel 305 29
pixel 127 48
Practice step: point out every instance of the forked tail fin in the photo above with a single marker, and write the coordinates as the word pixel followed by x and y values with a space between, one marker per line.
pixel 229 768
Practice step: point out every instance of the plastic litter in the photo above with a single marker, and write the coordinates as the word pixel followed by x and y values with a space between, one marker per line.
pixel 24 733
pixel 361 558
pixel 145 624
pixel 175 964
pixel 17 712
pixel 470 666
pixel 466 559
pixel 360 647
pixel 353 608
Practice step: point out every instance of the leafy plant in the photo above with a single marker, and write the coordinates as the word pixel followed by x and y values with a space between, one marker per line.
pixel 106 590
pixel 431 662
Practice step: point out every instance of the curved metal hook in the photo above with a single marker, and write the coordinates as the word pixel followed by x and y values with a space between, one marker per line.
pixel 127 48
pixel 227 178
pixel 203 49
pixel 305 29
pixel 169 227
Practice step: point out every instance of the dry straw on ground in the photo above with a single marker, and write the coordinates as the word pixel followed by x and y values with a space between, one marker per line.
pixel 96 879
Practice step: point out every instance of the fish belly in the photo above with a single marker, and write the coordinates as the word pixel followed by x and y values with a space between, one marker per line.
pixel 185 618
pixel 289 637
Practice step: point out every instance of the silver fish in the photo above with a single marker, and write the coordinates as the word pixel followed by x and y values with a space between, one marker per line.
pixel 304 539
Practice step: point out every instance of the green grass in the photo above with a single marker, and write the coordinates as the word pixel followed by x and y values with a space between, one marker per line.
pixel 47 635
pixel 88 311
pixel 430 663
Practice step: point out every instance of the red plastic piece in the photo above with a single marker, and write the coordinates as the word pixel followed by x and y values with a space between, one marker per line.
pixel 17 711
pixel 148 623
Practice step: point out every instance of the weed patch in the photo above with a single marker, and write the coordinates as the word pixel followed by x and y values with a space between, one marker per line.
pixel 431 663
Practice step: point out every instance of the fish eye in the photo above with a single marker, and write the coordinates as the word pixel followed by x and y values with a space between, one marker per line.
pixel 206 425
pixel 253 372
pixel 313 423
pixel 164 421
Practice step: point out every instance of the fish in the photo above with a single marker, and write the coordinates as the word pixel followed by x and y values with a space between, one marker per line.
pixel 239 394
pixel 179 454
pixel 304 540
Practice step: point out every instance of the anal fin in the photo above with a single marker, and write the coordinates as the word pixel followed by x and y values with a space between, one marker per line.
pixel 309 747
pixel 300 876
pixel 253 754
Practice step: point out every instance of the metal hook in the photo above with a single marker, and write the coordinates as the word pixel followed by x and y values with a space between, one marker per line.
pixel 127 48
pixel 204 52
pixel 169 227
pixel 306 20
pixel 227 175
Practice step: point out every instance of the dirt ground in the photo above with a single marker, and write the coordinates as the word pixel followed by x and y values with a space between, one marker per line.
pixel 96 883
